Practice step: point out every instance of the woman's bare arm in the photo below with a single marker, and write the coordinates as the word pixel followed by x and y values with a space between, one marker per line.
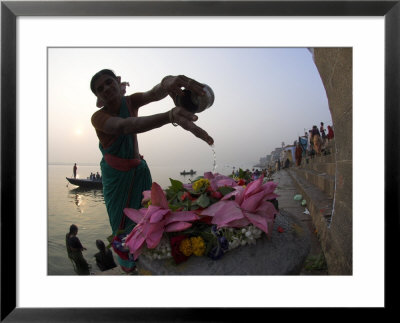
pixel 178 115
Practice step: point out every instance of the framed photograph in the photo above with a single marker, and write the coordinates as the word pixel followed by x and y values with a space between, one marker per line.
pixel 36 35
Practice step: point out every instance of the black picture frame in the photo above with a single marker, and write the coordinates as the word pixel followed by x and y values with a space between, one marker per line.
pixel 10 10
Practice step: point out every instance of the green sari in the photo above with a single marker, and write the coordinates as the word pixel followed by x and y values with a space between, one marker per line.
pixel 124 180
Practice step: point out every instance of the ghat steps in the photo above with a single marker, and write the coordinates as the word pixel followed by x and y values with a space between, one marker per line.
pixel 315 180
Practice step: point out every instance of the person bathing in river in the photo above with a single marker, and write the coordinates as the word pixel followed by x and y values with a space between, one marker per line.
pixel 125 173
pixel 104 258
pixel 74 250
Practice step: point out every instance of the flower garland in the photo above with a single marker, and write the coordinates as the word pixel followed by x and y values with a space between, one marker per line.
pixel 208 217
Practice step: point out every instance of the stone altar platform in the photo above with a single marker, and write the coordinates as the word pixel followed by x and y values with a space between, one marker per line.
pixel 283 254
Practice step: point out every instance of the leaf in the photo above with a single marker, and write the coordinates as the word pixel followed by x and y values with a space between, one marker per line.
pixel 170 193
pixel 176 185
pixel 120 231
pixel 175 207
pixel 225 190
pixel 203 201
pixel 110 238
pixel 194 207
pixel 179 195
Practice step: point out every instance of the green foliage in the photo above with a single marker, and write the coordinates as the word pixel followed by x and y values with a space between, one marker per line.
pixel 203 201
pixel 244 175
pixel 225 190
pixel 176 185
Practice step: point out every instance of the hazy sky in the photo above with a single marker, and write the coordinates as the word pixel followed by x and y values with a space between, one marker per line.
pixel 263 97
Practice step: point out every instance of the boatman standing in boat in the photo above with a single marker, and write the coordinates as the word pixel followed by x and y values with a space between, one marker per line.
pixel 74 170
pixel 125 173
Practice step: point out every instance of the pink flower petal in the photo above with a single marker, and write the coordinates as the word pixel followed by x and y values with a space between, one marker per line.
pixel 136 254
pixel 251 203
pixel 258 220
pixel 135 242
pixel 226 182
pixel 181 216
pixel 146 196
pixel 269 187
pixel 240 223
pixel 158 197
pixel 135 215
pixel 223 212
pixel 208 175
pixel 267 209
pixel 238 190
pixel 157 215
pixel 177 226
pixel 253 188
pixel 154 235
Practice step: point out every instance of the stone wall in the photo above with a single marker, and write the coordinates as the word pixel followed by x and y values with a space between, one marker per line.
pixel 335 68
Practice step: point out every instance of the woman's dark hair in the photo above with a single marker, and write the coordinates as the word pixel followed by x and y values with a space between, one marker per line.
pixel 97 75
pixel 73 229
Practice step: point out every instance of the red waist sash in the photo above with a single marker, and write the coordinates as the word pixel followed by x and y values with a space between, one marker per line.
pixel 121 164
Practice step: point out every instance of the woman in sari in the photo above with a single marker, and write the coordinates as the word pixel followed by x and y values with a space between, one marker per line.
pixel 298 154
pixel 330 133
pixel 125 173
pixel 317 142
pixel 74 250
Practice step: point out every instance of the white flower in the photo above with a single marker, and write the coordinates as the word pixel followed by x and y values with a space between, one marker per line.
pixel 248 234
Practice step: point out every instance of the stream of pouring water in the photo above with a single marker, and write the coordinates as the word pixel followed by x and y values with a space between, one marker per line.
pixel 214 159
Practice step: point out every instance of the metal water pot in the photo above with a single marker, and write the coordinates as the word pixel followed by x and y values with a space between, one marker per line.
pixel 196 103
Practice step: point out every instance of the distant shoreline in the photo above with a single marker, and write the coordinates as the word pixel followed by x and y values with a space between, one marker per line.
pixel 68 164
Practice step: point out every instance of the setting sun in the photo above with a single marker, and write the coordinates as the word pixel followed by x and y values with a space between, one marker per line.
pixel 78 132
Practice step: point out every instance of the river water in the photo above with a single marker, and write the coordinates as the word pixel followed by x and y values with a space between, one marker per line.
pixel 69 204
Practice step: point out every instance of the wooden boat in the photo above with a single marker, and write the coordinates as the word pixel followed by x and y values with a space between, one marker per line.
pixel 86 183
pixel 191 172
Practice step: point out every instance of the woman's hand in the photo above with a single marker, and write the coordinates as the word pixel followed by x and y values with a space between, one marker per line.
pixel 186 120
pixel 174 84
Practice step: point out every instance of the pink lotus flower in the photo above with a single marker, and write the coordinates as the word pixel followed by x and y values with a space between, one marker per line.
pixel 250 206
pixel 154 221
pixel 146 197
pixel 216 180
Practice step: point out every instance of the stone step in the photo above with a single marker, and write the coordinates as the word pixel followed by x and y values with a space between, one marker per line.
pixel 319 203
pixel 323 181
pixel 323 167
pixel 330 158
